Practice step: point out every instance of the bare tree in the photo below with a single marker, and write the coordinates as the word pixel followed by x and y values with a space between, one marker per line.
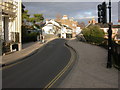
pixel 58 16
pixel 82 24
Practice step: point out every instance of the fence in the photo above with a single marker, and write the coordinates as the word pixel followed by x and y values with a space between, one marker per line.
pixel 116 55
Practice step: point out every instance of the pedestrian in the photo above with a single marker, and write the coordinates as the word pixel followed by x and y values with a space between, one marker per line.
pixel 40 38
pixel 43 39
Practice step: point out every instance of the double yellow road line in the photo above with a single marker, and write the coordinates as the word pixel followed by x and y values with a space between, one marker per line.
pixel 51 83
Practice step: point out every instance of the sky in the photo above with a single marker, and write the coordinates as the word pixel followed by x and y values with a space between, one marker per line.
pixel 80 11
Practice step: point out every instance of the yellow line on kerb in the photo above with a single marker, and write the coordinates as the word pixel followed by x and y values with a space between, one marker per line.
pixel 49 85
pixel 6 67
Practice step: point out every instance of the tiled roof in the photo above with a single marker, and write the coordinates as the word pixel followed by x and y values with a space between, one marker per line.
pixel 119 21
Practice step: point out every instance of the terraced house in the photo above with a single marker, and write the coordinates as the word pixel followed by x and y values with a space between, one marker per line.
pixel 11 25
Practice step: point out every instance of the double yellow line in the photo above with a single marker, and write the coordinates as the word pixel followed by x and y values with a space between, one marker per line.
pixel 50 84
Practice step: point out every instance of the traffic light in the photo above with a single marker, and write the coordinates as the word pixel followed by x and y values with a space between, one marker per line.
pixel 102 13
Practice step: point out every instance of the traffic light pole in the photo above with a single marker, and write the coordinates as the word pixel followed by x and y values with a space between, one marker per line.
pixel 109 62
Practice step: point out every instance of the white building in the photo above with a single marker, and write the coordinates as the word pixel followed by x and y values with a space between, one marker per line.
pixel 51 27
pixel 78 30
pixel 66 32
pixel 63 32
pixel 11 24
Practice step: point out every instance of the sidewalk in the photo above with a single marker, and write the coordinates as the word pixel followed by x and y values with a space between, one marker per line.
pixel 90 69
pixel 13 57
pixel 26 45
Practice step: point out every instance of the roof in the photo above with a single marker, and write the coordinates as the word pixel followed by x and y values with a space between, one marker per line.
pixel 49 23
pixel 68 28
pixel 118 20
pixel 116 26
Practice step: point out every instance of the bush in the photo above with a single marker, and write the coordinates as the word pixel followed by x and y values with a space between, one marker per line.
pixel 30 37
pixel 94 34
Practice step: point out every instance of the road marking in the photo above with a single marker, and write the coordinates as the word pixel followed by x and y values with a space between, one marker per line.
pixel 11 65
pixel 51 83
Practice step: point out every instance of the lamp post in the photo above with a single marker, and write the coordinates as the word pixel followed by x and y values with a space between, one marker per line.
pixel 109 62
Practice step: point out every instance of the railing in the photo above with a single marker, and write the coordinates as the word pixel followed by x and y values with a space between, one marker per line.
pixel 116 55
pixel 9 6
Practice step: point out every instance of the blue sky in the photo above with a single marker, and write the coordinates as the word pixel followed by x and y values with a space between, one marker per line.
pixel 80 11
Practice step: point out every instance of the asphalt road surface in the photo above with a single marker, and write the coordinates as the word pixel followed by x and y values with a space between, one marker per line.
pixel 39 69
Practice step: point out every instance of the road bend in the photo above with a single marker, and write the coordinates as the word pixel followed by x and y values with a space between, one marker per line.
pixel 39 69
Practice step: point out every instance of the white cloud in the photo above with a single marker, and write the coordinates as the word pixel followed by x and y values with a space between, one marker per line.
pixel 88 13
pixel 88 17
pixel 78 10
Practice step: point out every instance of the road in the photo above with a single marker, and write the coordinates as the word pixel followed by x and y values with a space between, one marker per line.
pixel 39 69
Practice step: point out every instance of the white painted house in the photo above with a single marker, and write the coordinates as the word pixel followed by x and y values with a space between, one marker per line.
pixel 11 24
pixel 66 32
pixel 63 32
pixel 78 30
pixel 51 27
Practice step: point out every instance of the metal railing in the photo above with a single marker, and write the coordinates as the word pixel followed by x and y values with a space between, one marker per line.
pixel 116 55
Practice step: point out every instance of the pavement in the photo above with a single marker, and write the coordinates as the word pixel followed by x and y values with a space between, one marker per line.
pixel 26 51
pixel 90 69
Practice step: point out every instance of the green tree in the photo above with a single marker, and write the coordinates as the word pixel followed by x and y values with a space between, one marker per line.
pixel 25 15
pixel 94 34
pixel 32 19
pixel 38 17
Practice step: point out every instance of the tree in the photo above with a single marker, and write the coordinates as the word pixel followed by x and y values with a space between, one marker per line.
pixel 25 15
pixel 38 17
pixel 82 24
pixel 58 16
pixel 94 34
pixel 32 19
pixel 30 23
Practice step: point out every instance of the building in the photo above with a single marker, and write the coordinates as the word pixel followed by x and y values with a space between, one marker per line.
pixel 114 32
pixel 91 22
pixel 70 22
pixel 11 25
pixel 51 27
pixel 117 37
pixel 66 32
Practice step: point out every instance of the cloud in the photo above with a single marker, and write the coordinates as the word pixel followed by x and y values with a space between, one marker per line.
pixel 89 17
pixel 78 10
